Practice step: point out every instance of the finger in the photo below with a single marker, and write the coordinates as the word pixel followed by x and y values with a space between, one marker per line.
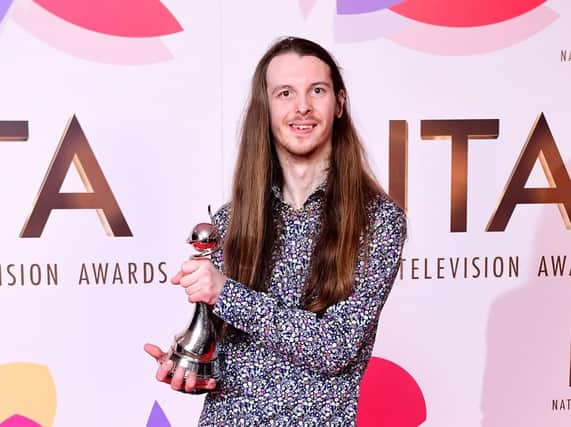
pixel 164 370
pixel 192 289
pixel 189 279
pixel 202 295
pixel 211 384
pixel 154 351
pixel 190 382
pixel 190 266
pixel 177 379
pixel 175 280
pixel 197 296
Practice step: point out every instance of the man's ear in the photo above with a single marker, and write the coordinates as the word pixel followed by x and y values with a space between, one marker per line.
pixel 341 98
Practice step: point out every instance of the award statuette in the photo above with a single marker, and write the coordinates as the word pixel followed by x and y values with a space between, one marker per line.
pixel 194 349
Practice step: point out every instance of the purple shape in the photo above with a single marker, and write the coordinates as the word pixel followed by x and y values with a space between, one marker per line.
pixel 158 417
pixel 19 421
pixel 369 26
pixel 4 6
pixel 351 7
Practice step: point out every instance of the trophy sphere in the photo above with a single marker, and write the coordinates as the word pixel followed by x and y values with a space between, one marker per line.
pixel 204 237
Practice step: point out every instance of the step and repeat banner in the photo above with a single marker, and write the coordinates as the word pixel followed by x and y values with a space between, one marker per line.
pixel 118 127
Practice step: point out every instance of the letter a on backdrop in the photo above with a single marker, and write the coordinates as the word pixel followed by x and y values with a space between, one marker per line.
pixel 75 148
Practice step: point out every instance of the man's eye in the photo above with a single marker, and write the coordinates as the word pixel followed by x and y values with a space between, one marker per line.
pixel 318 90
pixel 284 93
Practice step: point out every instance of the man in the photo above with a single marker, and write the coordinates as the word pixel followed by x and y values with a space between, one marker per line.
pixel 311 248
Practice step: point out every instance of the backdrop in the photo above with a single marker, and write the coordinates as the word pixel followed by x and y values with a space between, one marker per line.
pixel 118 127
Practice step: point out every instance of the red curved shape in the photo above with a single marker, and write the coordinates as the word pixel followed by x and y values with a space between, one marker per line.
pixel 125 18
pixel 389 396
pixel 466 13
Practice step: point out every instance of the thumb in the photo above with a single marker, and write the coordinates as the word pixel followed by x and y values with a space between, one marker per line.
pixel 154 351
pixel 176 279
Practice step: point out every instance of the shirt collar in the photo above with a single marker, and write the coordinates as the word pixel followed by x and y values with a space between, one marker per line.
pixel 317 192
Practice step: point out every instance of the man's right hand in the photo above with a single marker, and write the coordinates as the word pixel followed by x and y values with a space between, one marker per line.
pixel 177 381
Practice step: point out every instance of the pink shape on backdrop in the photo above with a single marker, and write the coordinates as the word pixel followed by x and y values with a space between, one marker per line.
pixel 475 40
pixel 306 6
pixel 466 13
pixel 390 396
pixel 86 44
pixel 368 26
pixel 19 421
pixel 126 18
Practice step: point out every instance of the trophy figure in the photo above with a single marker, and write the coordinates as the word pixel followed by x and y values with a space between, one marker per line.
pixel 194 349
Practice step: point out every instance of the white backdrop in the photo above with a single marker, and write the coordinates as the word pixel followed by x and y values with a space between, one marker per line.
pixel 161 115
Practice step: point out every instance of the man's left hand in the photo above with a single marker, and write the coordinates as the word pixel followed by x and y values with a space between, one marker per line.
pixel 201 281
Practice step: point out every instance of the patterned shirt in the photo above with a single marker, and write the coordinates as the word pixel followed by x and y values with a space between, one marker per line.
pixel 289 366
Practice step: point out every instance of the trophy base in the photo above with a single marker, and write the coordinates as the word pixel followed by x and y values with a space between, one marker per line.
pixel 204 370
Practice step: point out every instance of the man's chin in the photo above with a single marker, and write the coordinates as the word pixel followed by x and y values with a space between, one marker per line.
pixel 305 151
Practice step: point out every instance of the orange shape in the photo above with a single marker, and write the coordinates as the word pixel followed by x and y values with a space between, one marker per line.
pixel 27 389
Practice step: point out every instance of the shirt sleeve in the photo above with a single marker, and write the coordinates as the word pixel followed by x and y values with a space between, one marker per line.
pixel 330 342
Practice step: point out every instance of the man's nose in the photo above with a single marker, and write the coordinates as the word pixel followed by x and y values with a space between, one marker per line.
pixel 303 105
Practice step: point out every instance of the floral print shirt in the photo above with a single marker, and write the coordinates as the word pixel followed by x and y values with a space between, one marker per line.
pixel 289 366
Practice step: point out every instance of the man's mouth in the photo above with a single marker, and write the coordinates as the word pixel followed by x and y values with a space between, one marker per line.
pixel 302 127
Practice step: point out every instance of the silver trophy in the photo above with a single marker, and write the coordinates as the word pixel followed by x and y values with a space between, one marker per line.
pixel 194 349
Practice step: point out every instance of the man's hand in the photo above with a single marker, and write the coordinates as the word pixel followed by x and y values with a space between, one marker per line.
pixel 177 381
pixel 201 281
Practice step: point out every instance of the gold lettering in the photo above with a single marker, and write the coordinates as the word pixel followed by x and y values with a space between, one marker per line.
pixel 75 148
pixel 540 145
pixel 459 132
pixel 398 162
pixel 13 130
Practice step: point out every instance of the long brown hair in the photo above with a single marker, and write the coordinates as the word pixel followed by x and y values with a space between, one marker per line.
pixel 251 232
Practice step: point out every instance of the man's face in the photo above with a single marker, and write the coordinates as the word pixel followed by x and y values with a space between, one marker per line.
pixel 303 105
